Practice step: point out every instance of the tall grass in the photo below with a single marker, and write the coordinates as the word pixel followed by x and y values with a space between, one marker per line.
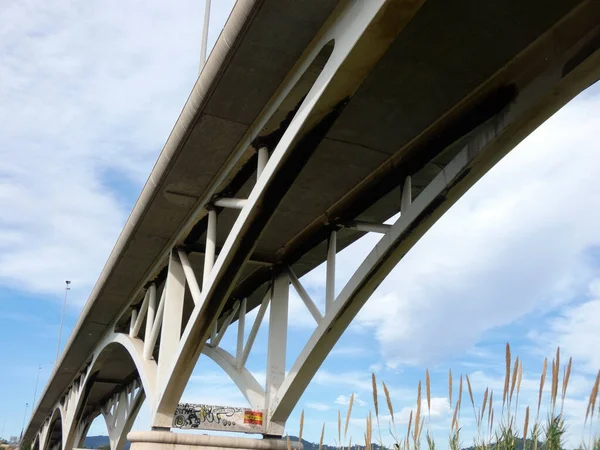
pixel 505 432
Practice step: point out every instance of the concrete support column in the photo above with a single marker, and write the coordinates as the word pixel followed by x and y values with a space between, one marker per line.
pixel 166 440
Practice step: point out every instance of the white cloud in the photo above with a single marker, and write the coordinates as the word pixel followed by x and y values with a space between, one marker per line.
pixel 350 351
pixel 345 400
pixel 440 408
pixel 517 243
pixel 88 96
pixel 299 315
pixel 576 331
pixel 318 406
pixel 212 388
pixel 357 381
pixel 375 367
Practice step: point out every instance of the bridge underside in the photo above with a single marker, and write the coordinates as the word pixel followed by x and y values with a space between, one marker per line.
pixel 455 84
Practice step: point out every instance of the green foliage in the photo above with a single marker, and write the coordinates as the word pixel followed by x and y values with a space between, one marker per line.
pixel 506 438
pixel 455 440
pixel 430 441
pixel 555 430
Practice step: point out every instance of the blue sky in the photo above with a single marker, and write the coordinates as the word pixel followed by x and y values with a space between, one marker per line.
pixel 88 94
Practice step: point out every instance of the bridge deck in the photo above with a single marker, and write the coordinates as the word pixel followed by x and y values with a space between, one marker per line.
pixel 454 66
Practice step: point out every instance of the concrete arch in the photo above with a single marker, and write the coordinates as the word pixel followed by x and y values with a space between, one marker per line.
pixel 243 379
pixel 46 436
pixel 146 370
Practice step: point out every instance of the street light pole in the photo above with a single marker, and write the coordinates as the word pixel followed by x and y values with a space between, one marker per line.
pixel 37 380
pixel 62 318
pixel 24 416
pixel 204 43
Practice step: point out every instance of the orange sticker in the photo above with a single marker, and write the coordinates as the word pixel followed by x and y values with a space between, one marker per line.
pixel 253 417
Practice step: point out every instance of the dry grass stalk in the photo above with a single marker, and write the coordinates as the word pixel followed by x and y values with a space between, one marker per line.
pixel 555 379
pixel 339 428
pixel 428 389
pixel 408 432
pixel 408 429
pixel 376 405
pixel 454 424
pixel 450 387
pixel 526 424
pixel 566 376
pixel 348 415
pixel 375 401
pixel 322 437
pixel 491 403
pixel 460 386
pixel 492 421
pixel 557 363
pixel 389 402
pixel 391 409
pixel 301 426
pixel 483 405
pixel 471 395
pixel 592 401
pixel 289 444
pixel 350 443
pixel 369 434
pixel 587 411
pixel 514 379
pixel 519 378
pixel 554 385
pixel 542 381
pixel 507 376
pixel 417 415
pixel 419 429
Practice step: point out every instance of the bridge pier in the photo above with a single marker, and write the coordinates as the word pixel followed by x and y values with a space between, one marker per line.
pixel 166 440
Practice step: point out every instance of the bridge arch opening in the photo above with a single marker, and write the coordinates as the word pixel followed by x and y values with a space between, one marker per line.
pixel 96 435
pixel 113 366
pixel 54 439
pixel 113 394
pixel 210 385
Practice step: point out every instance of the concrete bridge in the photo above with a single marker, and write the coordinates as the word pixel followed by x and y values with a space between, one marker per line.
pixel 311 124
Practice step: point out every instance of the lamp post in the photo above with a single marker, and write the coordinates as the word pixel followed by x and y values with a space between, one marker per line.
pixel 62 318
pixel 37 380
pixel 23 427
pixel 204 44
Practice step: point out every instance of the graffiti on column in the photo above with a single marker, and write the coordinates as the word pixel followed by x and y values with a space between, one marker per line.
pixel 214 417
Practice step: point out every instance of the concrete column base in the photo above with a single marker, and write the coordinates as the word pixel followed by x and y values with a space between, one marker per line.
pixel 166 440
